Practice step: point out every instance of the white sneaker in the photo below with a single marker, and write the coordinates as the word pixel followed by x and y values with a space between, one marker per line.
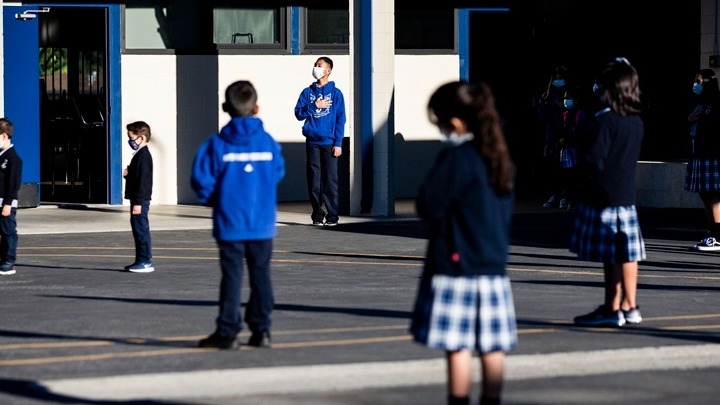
pixel 564 204
pixel 141 268
pixel 707 245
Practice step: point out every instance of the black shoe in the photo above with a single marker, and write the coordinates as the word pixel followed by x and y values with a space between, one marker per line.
pixel 220 342
pixel 260 339
pixel 331 223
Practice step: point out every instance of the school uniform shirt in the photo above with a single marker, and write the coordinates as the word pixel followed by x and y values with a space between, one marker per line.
pixel 139 179
pixel 10 176
pixel 236 171
pixel 323 126
pixel 469 224
pixel 610 159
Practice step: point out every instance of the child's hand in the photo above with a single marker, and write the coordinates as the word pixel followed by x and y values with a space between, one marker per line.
pixel 136 209
pixel 323 103
pixel 6 210
pixel 125 172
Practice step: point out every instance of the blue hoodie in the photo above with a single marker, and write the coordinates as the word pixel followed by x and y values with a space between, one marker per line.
pixel 237 172
pixel 323 126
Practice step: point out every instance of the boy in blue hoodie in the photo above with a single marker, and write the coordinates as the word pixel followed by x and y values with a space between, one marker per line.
pixel 322 106
pixel 236 172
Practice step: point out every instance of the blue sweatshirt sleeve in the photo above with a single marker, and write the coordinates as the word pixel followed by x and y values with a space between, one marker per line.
pixel 340 118
pixel 203 177
pixel 303 108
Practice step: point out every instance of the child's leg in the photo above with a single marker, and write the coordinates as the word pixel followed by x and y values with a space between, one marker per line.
pixel 493 370
pixel 629 284
pixel 459 373
pixel 260 303
pixel 613 285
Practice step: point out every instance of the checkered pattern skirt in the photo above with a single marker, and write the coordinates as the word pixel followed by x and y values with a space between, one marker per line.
pixel 702 175
pixel 607 235
pixel 474 313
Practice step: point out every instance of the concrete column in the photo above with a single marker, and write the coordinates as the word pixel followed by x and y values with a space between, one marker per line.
pixel 372 53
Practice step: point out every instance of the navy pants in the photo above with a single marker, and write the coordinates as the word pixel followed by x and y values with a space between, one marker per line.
pixel 8 237
pixel 141 234
pixel 261 301
pixel 322 180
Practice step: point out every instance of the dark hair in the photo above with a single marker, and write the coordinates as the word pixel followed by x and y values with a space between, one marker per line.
pixel 140 128
pixel 326 60
pixel 561 71
pixel 475 105
pixel 6 127
pixel 710 89
pixel 620 87
pixel 240 99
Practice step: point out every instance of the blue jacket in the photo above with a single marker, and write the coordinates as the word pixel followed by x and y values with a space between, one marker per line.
pixel 323 126
pixel 469 224
pixel 237 172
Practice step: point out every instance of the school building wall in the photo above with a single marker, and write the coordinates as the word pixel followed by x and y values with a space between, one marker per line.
pixel 153 87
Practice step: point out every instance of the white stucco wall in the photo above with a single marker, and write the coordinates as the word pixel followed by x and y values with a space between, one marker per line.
pixel 149 94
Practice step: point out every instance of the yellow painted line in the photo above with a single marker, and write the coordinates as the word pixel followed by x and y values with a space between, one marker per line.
pixel 94 357
pixel 693 327
pixel 599 273
pixel 341 342
pixel 56 345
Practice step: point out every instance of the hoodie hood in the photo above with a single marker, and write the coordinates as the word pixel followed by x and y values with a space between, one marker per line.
pixel 326 89
pixel 239 129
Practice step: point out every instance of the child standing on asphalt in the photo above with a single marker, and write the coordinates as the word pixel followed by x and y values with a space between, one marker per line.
pixel 464 302
pixel 10 180
pixel 606 225
pixel 138 189
pixel 236 172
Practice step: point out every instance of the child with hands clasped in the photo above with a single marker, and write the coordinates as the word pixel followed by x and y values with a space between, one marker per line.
pixel 464 303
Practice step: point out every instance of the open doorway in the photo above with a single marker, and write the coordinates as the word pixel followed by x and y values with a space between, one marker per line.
pixel 73 105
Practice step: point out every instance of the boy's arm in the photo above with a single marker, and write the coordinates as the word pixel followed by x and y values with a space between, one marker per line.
pixel 12 185
pixel 145 183
pixel 340 118
pixel 303 108
pixel 202 178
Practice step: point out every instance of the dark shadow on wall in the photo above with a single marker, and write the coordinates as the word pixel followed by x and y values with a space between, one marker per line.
pixel 197 113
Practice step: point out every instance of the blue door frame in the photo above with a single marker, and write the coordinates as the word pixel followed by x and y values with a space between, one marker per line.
pixel 22 107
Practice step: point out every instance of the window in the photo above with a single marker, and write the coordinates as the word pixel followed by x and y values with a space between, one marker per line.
pixel 254 27
pixel 163 25
pixel 328 27
pixel 425 29
pixel 203 26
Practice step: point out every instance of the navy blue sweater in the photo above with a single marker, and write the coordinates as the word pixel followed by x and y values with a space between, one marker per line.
pixel 139 179
pixel 469 223
pixel 610 160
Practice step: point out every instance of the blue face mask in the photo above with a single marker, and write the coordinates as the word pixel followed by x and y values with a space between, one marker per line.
pixel 569 103
pixel 697 88
pixel 134 145
pixel 558 82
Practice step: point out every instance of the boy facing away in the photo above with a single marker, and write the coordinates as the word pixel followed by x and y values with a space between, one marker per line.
pixel 10 178
pixel 236 172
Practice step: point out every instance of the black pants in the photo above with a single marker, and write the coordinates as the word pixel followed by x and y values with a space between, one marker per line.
pixel 322 180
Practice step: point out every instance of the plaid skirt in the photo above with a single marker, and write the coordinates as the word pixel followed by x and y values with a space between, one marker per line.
pixel 474 313
pixel 702 175
pixel 608 235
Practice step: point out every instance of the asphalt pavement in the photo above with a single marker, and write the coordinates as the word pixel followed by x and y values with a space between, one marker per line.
pixel 76 329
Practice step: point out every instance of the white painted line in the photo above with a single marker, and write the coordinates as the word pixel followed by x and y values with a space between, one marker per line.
pixel 324 378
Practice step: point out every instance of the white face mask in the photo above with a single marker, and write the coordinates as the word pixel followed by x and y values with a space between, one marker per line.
pixel 456 139
pixel 318 72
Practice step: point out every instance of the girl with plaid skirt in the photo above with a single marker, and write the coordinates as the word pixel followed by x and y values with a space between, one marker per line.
pixel 464 303
pixel 703 169
pixel 606 226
